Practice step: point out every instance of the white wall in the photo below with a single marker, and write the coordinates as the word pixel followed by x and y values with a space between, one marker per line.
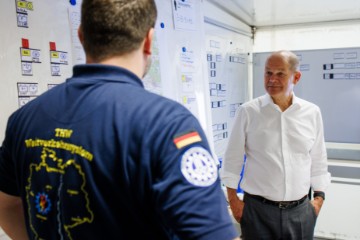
pixel 339 217
pixel 43 28
pixel 212 11
pixel 3 236
pixel 305 37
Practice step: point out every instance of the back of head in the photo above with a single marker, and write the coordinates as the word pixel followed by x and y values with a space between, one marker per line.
pixel 115 27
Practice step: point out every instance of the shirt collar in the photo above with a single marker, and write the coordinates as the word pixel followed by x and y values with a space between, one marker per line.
pixel 266 100
pixel 98 72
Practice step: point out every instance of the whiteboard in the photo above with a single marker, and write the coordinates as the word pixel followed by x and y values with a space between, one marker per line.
pixel 37 28
pixel 37 25
pixel 331 80
pixel 227 54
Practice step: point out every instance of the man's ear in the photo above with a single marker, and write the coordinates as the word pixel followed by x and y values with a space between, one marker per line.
pixel 81 35
pixel 297 76
pixel 148 41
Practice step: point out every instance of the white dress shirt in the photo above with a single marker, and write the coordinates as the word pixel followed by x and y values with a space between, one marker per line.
pixel 285 151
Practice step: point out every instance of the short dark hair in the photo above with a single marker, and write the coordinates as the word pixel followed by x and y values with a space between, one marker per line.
pixel 115 27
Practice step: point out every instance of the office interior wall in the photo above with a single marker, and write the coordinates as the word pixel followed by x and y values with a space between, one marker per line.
pixel 328 35
pixel 180 40
pixel 342 34
pixel 331 79
pixel 178 68
pixel 50 26
pixel 212 11
pixel 228 72
pixel 51 22
pixel 339 216
pixel 228 46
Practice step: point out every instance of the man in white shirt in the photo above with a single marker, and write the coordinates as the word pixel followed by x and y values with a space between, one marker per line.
pixel 283 140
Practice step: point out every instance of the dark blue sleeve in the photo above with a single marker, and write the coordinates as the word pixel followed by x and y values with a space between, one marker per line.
pixel 7 169
pixel 188 193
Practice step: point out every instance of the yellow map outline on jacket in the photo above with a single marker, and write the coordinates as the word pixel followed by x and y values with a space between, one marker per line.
pixel 51 164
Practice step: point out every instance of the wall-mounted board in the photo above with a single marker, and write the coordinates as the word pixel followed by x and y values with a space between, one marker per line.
pixel 227 54
pixel 330 79
pixel 39 46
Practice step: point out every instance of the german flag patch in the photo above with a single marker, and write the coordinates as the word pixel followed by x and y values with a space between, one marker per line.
pixel 186 139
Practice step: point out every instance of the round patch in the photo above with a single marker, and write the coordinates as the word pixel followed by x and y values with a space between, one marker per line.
pixel 198 167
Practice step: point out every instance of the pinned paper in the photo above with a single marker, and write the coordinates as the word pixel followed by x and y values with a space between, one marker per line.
pixel 184 13
pixel 22 8
pixel 28 56
pixel 56 59
pixel 27 92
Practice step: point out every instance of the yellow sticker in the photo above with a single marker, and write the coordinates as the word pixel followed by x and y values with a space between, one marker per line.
pixel 30 6
pixel 54 54
pixel 25 52
pixel 21 4
pixel 184 100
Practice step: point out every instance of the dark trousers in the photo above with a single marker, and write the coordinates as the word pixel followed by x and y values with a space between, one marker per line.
pixel 264 221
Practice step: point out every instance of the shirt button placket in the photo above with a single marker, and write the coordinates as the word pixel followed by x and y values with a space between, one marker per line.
pixel 285 152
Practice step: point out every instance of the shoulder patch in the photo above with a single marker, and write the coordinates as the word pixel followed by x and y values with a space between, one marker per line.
pixel 198 167
pixel 186 139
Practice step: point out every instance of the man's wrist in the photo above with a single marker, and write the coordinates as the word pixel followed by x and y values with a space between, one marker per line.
pixel 319 194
